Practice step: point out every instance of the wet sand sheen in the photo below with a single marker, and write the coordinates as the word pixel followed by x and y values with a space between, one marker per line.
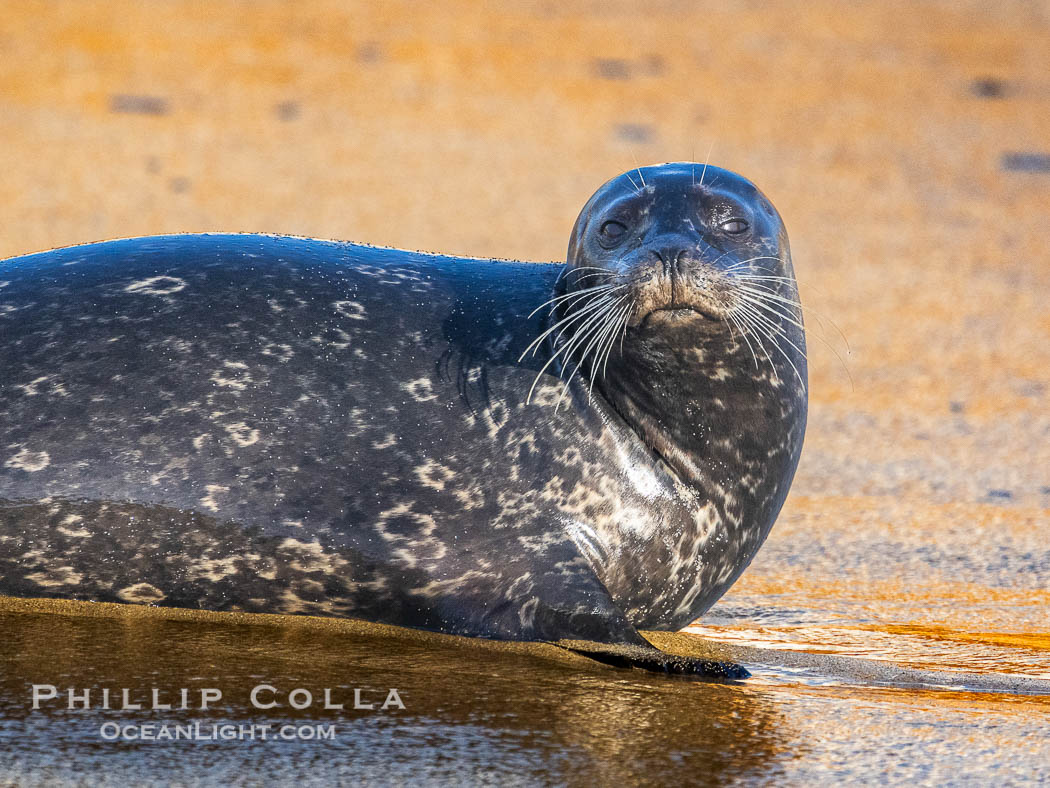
pixel 528 711
pixel 908 646
pixel 864 669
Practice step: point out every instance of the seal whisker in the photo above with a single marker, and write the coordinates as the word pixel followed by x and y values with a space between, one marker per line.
pixel 590 312
pixel 707 158
pixel 621 320
pixel 746 320
pixel 579 268
pixel 571 269
pixel 573 299
pixel 625 322
pixel 732 333
pixel 819 316
pixel 756 334
pixel 601 355
pixel 762 300
pixel 607 331
pixel 764 287
pixel 742 263
pixel 571 294
pixel 764 292
pixel 788 279
pixel 751 305
pixel 593 307
pixel 718 259
pixel 793 307
pixel 772 332
pixel 599 273
pixel 771 325
pixel 595 344
pixel 746 315
pixel 743 334
pixel 587 331
pixel 638 169
pixel 772 308
pixel 565 322
pixel 574 294
pixel 764 278
pixel 561 324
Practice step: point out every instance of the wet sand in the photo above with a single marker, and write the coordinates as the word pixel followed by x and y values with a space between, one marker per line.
pixel 476 712
pixel 906 147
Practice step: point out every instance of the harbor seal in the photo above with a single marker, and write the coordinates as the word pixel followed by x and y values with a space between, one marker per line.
pixel 511 450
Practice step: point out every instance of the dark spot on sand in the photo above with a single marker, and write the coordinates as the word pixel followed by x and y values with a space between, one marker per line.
pixel 369 52
pixel 152 165
pixel 1026 162
pixel 956 407
pixel 1045 490
pixel 138 105
pixel 179 185
pixel 654 65
pixel 635 132
pixel 287 110
pixel 1030 388
pixel 999 495
pixel 611 68
pixel 989 88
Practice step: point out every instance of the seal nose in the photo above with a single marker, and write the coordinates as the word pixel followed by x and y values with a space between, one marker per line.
pixel 671 258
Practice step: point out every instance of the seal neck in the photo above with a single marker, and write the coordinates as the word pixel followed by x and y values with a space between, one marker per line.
pixel 727 437
pixel 719 419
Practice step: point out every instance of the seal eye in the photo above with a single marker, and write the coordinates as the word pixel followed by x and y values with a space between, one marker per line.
pixel 613 231
pixel 735 226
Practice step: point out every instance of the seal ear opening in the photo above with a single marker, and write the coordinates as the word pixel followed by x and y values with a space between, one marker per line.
pixel 656 661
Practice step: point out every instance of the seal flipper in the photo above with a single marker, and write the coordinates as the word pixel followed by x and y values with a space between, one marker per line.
pixel 574 610
pixel 648 657
pixel 556 597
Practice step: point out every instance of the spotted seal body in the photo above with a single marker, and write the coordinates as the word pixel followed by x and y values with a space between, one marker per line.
pixel 277 424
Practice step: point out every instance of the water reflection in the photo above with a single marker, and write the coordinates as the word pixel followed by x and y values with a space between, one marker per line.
pixel 473 712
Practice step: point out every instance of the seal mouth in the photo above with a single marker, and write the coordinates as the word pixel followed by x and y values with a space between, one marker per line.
pixel 677 313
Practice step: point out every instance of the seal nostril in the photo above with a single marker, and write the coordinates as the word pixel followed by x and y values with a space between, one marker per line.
pixel 671 257
pixel 673 260
pixel 679 262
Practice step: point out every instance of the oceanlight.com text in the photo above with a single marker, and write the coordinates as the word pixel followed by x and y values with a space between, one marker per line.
pixel 207 731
